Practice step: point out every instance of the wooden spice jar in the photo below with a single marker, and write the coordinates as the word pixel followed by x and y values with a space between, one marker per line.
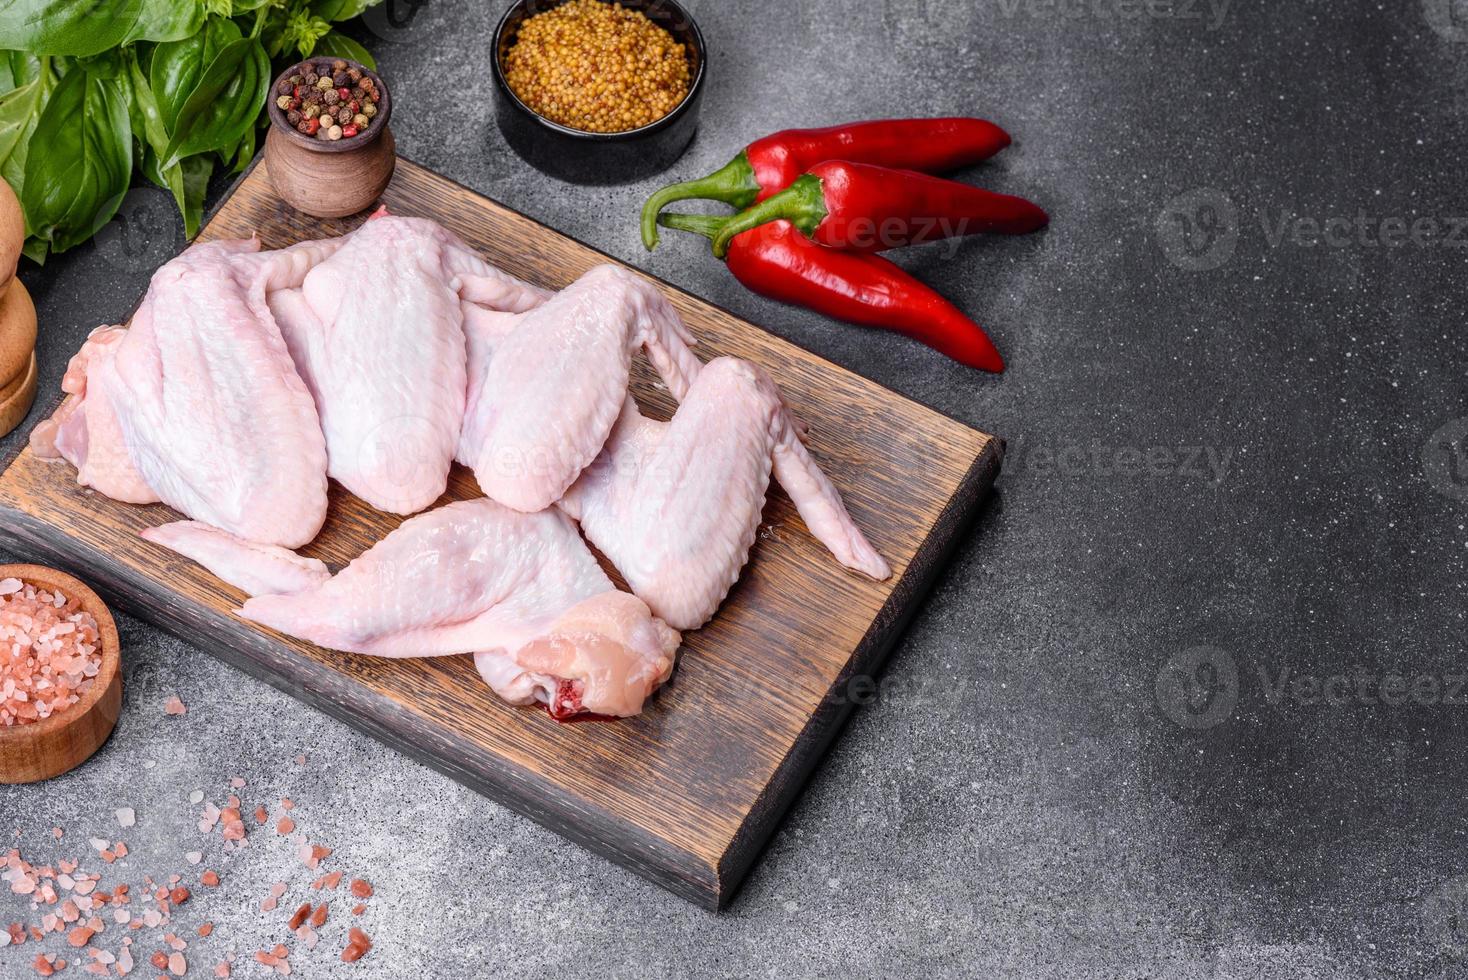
pixel 17 320
pixel 330 178
pixel 43 749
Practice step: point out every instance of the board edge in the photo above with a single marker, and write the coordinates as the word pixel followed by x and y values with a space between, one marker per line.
pixel 810 746
pixel 518 789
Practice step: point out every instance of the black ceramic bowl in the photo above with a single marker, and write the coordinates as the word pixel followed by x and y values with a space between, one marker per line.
pixel 600 158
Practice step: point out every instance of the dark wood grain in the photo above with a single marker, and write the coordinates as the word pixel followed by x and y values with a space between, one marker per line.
pixel 688 792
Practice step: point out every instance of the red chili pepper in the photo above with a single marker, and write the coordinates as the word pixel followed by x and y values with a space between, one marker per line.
pixel 769 165
pixel 863 208
pixel 777 261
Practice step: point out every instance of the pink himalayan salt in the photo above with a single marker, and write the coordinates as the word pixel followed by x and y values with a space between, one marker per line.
pixel 50 651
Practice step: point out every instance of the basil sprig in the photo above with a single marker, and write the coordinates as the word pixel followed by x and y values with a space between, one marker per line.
pixel 95 91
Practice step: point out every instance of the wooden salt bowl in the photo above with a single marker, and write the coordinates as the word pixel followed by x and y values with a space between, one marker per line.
pixel 43 749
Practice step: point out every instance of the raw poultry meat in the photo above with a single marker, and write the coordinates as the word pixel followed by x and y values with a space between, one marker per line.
pixel 676 505
pixel 197 404
pixel 256 569
pixel 376 332
pixel 546 387
pixel 520 591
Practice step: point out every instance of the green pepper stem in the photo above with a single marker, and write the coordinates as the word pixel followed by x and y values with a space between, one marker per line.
pixel 707 225
pixel 734 184
pixel 803 204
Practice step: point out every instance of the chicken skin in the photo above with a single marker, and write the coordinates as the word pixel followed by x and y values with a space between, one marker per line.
pixel 520 591
pixel 676 505
pixel 546 386
pixel 384 357
pixel 197 403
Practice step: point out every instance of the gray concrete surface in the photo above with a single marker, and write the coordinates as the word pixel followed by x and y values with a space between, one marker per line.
pixel 1236 482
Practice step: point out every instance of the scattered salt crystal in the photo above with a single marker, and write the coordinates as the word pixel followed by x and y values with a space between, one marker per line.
pixel 173 706
pixel 176 965
pixel 127 817
pixel 197 796
pixel 98 844
pixel 237 782
pixel 194 857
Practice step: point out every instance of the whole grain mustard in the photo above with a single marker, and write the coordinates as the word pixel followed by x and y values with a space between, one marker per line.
pixel 597 67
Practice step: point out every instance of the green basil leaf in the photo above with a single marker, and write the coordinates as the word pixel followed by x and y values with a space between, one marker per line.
pixel 196 171
pixel 338 45
pixel 69 27
pixel 17 68
pixel 226 100
pixel 20 110
pixel 335 10
pixel 303 29
pixel 167 20
pixel 149 125
pixel 35 249
pixel 177 65
pixel 80 158
pixel 81 28
pixel 238 157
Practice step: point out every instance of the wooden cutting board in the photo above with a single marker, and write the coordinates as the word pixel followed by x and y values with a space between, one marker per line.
pixel 687 793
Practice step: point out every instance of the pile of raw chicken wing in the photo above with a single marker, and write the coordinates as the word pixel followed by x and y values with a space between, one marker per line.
pixel 247 378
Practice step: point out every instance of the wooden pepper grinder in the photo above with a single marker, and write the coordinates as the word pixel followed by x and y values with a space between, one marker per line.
pixel 17 320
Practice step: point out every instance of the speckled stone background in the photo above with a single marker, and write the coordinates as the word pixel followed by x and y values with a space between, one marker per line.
pixel 1189 701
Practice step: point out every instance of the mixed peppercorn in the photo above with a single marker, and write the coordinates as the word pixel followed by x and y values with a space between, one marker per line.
pixel 330 100
pixel 597 67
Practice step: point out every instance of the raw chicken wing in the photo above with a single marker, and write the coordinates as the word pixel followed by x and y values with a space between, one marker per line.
pixel 548 385
pixel 521 591
pixel 377 334
pixel 676 505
